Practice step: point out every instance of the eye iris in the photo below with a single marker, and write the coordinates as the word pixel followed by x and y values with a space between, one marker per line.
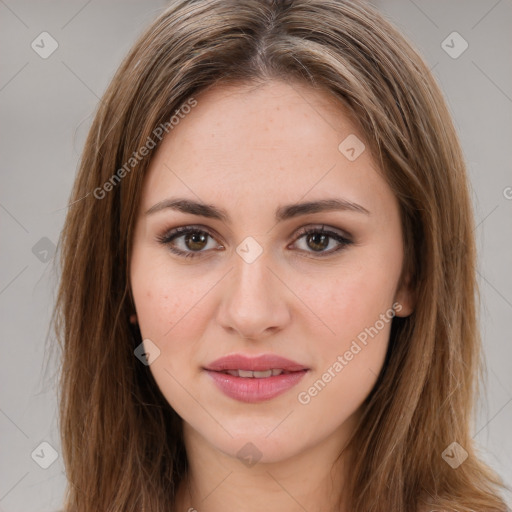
pixel 323 243
pixel 196 238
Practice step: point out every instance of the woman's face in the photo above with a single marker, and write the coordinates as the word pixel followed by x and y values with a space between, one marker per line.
pixel 250 282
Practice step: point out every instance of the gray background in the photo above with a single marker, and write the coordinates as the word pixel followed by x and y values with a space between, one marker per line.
pixel 46 107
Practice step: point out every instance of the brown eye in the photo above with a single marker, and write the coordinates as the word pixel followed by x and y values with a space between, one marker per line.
pixel 317 240
pixel 196 241
pixel 188 241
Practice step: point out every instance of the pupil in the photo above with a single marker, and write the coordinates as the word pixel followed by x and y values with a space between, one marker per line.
pixel 322 243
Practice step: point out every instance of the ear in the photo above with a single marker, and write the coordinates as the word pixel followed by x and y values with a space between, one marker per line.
pixel 405 298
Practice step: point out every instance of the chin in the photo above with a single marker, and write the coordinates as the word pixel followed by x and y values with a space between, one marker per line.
pixel 258 445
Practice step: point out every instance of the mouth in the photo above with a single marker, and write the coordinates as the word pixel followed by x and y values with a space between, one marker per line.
pixel 255 379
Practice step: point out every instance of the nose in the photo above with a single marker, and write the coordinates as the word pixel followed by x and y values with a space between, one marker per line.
pixel 254 301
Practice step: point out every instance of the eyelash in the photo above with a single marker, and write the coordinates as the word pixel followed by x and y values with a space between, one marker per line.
pixel 171 235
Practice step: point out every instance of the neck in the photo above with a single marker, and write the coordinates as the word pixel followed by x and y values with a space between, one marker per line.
pixel 311 480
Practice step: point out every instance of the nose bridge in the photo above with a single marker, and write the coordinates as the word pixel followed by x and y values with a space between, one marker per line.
pixel 251 277
pixel 253 302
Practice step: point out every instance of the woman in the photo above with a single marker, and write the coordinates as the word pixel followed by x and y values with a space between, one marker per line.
pixel 268 274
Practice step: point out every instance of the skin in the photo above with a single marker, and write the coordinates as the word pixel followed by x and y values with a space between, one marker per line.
pixel 249 150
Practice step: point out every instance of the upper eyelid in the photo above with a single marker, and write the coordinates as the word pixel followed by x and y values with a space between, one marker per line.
pixel 181 230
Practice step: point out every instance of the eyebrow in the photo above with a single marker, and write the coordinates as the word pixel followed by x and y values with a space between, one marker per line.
pixel 282 213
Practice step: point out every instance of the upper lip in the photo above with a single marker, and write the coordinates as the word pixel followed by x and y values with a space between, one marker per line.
pixel 259 363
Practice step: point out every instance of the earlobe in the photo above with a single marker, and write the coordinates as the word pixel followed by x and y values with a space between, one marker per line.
pixel 405 300
pixel 133 319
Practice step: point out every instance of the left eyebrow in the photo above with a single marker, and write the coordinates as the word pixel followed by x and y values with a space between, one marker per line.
pixel 282 213
pixel 323 205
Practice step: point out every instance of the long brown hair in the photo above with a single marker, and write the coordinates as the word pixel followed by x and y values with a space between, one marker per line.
pixel 121 440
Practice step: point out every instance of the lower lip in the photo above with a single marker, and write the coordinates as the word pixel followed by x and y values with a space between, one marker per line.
pixel 253 390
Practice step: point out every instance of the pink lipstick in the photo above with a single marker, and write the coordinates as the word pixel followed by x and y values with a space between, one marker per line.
pixel 255 379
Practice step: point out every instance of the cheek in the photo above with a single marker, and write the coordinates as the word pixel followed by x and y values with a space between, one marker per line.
pixel 349 361
pixel 170 309
pixel 356 307
pixel 359 320
pixel 349 299
pixel 171 313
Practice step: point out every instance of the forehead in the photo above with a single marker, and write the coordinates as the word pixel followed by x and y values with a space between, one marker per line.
pixel 256 144
pixel 285 120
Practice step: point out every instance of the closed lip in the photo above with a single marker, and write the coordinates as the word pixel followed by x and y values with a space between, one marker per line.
pixel 259 363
